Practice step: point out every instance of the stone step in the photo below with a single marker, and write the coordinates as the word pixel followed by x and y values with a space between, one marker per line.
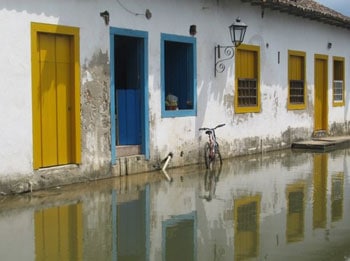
pixel 319 134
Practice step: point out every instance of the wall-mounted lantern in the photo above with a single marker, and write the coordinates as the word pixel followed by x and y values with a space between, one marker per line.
pixel 193 30
pixel 237 33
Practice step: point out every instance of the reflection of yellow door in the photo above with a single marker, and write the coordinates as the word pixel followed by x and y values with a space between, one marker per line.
pixel 320 190
pixel 56 95
pixel 58 233
pixel 321 88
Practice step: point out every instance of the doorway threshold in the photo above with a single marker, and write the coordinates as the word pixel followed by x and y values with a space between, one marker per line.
pixel 323 144
pixel 128 150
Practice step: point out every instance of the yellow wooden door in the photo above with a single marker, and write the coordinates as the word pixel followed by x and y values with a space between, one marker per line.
pixel 321 97
pixel 56 94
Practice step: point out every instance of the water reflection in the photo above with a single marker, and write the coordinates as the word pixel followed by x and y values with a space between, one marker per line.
pixel 178 237
pixel 211 177
pixel 320 190
pixel 279 206
pixel 295 212
pixel 337 193
pixel 247 217
pixel 130 225
pixel 58 233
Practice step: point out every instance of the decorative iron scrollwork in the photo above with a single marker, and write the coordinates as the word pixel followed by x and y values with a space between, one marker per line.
pixel 227 52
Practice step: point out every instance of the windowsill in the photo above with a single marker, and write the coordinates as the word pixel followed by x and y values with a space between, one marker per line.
pixel 296 106
pixel 178 113
pixel 239 110
pixel 338 104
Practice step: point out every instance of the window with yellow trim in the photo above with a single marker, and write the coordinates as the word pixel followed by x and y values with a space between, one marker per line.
pixel 296 80
pixel 247 91
pixel 338 81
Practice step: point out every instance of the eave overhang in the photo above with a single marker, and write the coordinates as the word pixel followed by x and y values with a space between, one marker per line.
pixel 305 8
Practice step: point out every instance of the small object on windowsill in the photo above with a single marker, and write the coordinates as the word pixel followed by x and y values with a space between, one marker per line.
pixel 189 105
pixel 171 102
pixel 171 107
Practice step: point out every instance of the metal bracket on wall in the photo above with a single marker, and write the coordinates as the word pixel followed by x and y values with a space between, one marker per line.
pixel 227 52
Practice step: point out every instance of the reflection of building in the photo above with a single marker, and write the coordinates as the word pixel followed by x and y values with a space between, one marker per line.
pixel 246 216
pixel 337 196
pixel 320 174
pixel 131 225
pixel 179 238
pixel 258 214
pixel 59 233
pixel 295 212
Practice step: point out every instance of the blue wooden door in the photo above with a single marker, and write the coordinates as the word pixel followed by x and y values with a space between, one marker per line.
pixel 129 116
pixel 129 55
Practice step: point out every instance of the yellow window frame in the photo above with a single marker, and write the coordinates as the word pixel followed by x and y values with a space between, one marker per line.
pixel 36 29
pixel 241 69
pixel 296 73
pixel 341 78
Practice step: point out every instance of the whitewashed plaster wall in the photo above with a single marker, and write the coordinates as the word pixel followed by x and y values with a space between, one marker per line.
pixel 274 126
pixel 16 153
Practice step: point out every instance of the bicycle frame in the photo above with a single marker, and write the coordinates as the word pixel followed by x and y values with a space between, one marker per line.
pixel 212 145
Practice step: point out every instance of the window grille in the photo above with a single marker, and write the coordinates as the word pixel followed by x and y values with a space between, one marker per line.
pixel 247 92
pixel 296 91
pixel 338 91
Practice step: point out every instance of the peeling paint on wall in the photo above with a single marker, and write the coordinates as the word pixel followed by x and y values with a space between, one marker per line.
pixel 95 110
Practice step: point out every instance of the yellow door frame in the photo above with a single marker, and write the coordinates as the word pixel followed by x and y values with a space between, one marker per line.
pixel 36 29
pixel 321 93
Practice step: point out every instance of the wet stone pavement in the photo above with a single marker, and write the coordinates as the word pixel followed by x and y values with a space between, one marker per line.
pixel 275 206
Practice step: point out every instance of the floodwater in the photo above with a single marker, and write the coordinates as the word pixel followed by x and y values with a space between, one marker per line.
pixel 274 206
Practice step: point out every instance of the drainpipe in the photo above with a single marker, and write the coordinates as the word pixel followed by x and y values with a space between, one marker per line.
pixel 167 160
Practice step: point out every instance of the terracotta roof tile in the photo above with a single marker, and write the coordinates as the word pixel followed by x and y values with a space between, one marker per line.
pixel 306 8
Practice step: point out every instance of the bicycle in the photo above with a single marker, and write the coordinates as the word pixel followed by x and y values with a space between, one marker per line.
pixel 211 148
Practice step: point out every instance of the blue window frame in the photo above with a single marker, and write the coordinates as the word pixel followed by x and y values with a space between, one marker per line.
pixel 178 76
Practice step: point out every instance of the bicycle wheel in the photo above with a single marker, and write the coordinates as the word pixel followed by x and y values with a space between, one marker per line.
pixel 207 155
pixel 218 154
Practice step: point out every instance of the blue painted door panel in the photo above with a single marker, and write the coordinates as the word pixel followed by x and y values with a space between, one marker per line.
pixel 129 116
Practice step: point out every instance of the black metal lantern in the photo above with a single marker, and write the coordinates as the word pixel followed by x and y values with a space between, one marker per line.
pixel 237 33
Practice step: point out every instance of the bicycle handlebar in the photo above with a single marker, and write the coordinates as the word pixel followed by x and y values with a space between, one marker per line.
pixel 220 125
pixel 217 126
